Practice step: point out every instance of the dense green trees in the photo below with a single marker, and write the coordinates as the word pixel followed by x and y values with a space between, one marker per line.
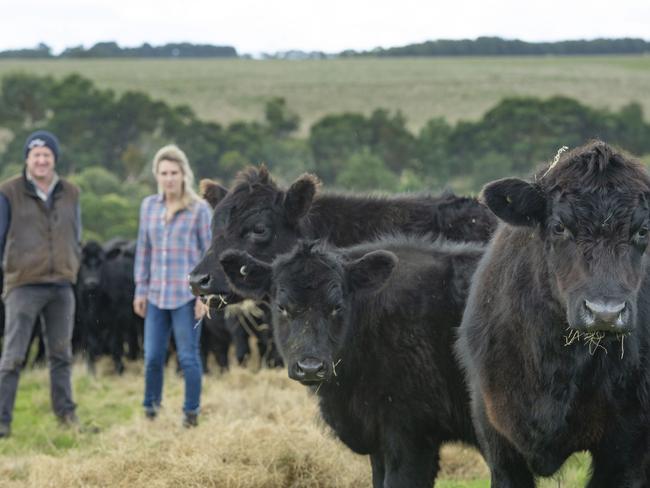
pixel 113 50
pixel 109 139
pixel 481 46
pixel 496 46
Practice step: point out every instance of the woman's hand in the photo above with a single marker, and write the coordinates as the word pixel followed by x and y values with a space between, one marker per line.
pixel 140 306
pixel 199 309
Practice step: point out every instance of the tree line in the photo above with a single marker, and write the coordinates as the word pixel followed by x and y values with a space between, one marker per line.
pixel 481 46
pixel 108 141
pixel 496 46
pixel 113 50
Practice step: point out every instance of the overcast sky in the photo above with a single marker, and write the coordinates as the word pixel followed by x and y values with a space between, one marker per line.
pixel 255 26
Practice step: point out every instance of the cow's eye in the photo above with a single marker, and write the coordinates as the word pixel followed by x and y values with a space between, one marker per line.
pixel 641 235
pixel 337 311
pixel 283 311
pixel 559 229
pixel 260 233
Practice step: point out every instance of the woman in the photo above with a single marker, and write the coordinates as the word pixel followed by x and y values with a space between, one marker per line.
pixel 173 234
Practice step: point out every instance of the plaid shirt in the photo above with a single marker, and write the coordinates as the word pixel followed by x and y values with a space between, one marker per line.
pixel 167 252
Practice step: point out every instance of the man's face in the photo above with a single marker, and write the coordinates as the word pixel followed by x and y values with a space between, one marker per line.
pixel 40 163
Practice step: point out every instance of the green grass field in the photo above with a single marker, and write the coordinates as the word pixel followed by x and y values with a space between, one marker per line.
pixel 455 88
pixel 257 430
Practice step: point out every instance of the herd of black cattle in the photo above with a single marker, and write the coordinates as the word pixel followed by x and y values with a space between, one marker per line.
pixel 516 323
pixel 417 320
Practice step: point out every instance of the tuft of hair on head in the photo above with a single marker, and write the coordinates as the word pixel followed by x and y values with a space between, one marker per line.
pixel 307 247
pixel 251 176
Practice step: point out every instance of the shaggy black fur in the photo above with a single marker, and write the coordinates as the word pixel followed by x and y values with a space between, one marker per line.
pixel 371 329
pixel 574 236
pixel 258 216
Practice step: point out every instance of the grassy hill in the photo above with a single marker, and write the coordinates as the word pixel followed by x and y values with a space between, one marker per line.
pixel 454 88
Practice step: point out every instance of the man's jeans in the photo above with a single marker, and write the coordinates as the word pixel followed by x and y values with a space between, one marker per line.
pixel 23 305
pixel 158 324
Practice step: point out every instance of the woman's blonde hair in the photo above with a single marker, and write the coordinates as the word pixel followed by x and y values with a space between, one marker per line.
pixel 174 154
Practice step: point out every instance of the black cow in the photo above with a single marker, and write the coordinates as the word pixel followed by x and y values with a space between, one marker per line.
pixel 555 337
pixel 241 321
pixel 371 329
pixel 259 217
pixel 118 285
pixel 104 317
pixel 216 338
pixel 90 333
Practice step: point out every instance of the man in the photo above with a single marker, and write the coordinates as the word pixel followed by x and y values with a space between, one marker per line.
pixel 40 230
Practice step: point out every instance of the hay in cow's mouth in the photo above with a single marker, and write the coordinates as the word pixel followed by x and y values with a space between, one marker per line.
pixel 334 365
pixel 593 339
pixel 207 300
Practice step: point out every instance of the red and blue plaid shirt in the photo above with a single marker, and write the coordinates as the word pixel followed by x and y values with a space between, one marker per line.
pixel 167 251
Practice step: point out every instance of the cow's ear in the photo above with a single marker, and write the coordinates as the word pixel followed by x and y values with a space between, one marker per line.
pixel 211 191
pixel 113 253
pixel 248 276
pixel 299 197
pixel 371 271
pixel 515 201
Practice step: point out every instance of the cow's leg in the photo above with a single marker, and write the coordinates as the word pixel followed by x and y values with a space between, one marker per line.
pixel 378 470
pixel 92 344
pixel 221 353
pixel 133 340
pixel 508 468
pixel 410 463
pixel 623 466
pixel 117 345
pixel 205 345
pixel 242 349
pixel 37 336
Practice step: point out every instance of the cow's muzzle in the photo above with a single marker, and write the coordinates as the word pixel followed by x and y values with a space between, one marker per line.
pixel 606 316
pixel 309 371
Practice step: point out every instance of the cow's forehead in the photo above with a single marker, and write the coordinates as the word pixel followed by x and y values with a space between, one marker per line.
pixel 605 210
pixel 304 276
pixel 601 214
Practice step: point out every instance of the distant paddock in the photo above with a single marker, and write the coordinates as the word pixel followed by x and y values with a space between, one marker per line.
pixel 422 88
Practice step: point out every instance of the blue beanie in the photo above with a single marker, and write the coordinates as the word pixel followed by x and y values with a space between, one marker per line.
pixel 42 138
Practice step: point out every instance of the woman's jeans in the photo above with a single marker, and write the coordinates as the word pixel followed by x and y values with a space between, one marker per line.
pixel 158 324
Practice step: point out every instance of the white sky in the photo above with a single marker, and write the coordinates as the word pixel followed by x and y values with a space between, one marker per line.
pixel 254 26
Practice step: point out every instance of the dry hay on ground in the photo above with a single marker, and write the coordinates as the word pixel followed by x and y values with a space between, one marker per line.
pixel 256 430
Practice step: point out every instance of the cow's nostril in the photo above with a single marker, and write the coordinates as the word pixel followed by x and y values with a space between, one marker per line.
pixel 602 307
pixel 200 284
pixel 605 312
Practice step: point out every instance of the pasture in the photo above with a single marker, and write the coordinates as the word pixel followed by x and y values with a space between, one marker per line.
pixel 422 88
pixel 257 429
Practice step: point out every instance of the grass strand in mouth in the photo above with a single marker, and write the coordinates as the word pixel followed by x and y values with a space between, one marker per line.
pixel 334 365
pixel 208 301
pixel 592 340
